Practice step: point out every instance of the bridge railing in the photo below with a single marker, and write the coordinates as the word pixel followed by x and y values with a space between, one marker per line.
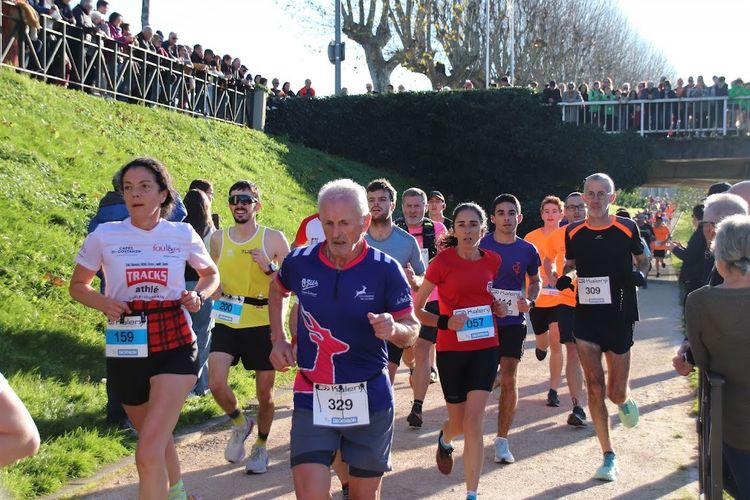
pixel 710 461
pixel 698 116
pixel 59 52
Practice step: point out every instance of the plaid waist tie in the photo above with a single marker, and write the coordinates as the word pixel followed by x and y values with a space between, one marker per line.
pixel 167 324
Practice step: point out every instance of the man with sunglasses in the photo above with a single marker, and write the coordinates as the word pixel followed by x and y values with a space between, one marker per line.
pixel 600 251
pixel 248 256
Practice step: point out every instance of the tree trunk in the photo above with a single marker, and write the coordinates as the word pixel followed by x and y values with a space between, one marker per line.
pixel 145 11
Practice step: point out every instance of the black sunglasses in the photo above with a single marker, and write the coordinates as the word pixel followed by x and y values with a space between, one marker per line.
pixel 236 199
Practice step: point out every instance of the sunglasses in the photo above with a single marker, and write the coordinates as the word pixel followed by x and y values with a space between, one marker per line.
pixel 245 199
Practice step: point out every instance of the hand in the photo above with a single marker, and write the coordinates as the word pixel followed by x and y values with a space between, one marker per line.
pixel 564 282
pixel 681 366
pixel 191 301
pixel 114 309
pixel 283 356
pixel 499 308
pixel 638 278
pixel 409 272
pixel 524 305
pixel 260 258
pixel 383 325
pixel 217 293
pixel 457 322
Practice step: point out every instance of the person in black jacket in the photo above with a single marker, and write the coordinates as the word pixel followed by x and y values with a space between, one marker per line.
pixel 692 256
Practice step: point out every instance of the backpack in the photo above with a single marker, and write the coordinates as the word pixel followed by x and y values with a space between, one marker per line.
pixel 428 234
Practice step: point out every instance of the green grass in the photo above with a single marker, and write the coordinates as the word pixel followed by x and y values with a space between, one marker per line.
pixel 58 152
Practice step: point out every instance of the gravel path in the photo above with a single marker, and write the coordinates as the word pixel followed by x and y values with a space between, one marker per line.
pixel 554 460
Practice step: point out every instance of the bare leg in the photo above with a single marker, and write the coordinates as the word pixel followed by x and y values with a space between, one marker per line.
pixel 264 392
pixel 366 488
pixel 420 379
pixel 508 395
pixel 574 374
pixel 590 355
pixel 218 373
pixel 19 436
pixel 312 481
pixel 555 358
pixel 476 402
pixel 618 374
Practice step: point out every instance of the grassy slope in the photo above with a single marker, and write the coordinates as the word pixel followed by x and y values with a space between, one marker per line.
pixel 58 151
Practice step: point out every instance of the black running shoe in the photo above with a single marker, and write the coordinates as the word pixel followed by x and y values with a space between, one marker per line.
pixel 552 399
pixel 540 354
pixel 577 417
pixel 414 419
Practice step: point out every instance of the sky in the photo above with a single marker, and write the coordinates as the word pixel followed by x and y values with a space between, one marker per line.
pixel 699 37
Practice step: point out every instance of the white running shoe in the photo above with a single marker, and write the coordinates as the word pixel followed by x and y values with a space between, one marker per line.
pixel 502 451
pixel 258 463
pixel 235 450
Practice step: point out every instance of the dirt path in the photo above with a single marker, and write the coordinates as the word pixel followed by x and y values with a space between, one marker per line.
pixel 657 458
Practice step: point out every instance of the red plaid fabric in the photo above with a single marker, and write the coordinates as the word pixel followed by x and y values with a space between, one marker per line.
pixel 167 324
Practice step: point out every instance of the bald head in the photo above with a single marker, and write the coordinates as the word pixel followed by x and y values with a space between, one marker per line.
pixel 741 189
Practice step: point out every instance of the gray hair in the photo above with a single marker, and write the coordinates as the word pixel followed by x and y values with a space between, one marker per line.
pixel 722 205
pixel 345 189
pixel 414 191
pixel 732 242
pixel 601 177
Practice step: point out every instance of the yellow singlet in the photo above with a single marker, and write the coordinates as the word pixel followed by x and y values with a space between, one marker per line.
pixel 240 275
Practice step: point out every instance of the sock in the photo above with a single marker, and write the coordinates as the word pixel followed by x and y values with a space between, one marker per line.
pixel 237 417
pixel 471 495
pixel 609 453
pixel 345 486
pixel 262 438
pixel 177 491
pixel 445 445
pixel 416 406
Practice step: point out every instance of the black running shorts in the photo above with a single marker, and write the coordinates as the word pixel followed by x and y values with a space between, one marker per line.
pixel 251 345
pixel 541 318
pixel 614 336
pixel 566 320
pixel 512 338
pixel 465 371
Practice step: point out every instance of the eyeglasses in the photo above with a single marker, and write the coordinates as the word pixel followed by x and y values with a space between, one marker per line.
pixel 709 223
pixel 244 199
pixel 601 195
pixel 575 207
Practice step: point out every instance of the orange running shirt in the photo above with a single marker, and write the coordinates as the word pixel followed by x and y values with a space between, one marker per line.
pixel 549 297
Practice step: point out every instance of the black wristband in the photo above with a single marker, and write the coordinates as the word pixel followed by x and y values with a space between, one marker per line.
pixel 442 322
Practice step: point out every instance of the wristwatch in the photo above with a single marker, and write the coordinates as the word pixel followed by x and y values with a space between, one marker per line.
pixel 201 297
pixel 272 268
pixel 532 303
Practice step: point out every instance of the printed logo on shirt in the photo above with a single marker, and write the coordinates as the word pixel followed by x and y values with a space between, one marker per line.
pixel 363 295
pixel 158 275
pixel 517 268
pixel 403 299
pixel 308 283
pixel 166 248
pixel 126 250
pixel 599 237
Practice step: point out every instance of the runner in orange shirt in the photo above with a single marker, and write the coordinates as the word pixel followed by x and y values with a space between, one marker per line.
pixel 553 262
pixel 544 313
pixel 660 243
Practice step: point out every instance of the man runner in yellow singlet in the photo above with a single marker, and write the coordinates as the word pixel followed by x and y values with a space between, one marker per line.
pixel 248 256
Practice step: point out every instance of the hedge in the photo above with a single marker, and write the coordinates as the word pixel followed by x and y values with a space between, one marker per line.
pixel 471 145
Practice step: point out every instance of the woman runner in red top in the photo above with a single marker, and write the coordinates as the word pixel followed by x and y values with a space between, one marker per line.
pixel 150 345
pixel 467 341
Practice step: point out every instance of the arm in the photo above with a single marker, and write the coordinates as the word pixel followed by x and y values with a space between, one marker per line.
pixel 215 251
pixel 429 319
pixel 208 282
pixel 282 357
pixel 401 331
pixel 532 293
pixel 82 291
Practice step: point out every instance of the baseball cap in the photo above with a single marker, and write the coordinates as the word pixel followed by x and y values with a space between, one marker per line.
pixel 436 193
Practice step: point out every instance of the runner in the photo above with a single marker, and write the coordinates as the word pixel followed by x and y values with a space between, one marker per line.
pixel 661 238
pixel 310 232
pixel 353 299
pixel 390 239
pixel 19 437
pixel 427 233
pixel 467 337
pixel 544 313
pixel 553 262
pixel 151 348
pixel 600 252
pixel 435 207
pixel 247 255
pixel 520 262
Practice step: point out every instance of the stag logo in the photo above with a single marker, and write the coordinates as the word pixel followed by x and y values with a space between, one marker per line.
pixel 363 295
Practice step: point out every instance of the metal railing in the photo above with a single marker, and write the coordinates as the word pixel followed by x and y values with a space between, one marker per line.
pixel 710 460
pixel 61 53
pixel 696 116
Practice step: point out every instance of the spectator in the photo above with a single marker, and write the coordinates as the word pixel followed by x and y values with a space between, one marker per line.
pixel 184 54
pixel 692 256
pixel 276 92
pixel 236 65
pixel 102 7
pixel 158 48
pixel 388 89
pixel 680 88
pixel 145 39
pixel 81 14
pixel 368 88
pixel 226 66
pixel 197 56
pixel 551 95
pixel 307 91
pixel 401 89
pixel 208 188
pixel 209 59
pixel 63 6
pixel 717 331
pixel 100 23
pixel 571 95
pixel 596 95
pixel 287 90
pixel 115 29
pixel 669 113
pixel 468 85
pixel 505 83
pixel 171 45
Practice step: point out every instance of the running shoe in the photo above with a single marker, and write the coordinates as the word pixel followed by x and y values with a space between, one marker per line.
pixel 540 354
pixel 414 419
pixel 433 375
pixel 235 450
pixel 663 265
pixel 552 399
pixel 608 470
pixel 657 274
pixel 577 417
pixel 502 451
pixel 444 457
pixel 258 463
pixel 629 414
pixel 471 496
